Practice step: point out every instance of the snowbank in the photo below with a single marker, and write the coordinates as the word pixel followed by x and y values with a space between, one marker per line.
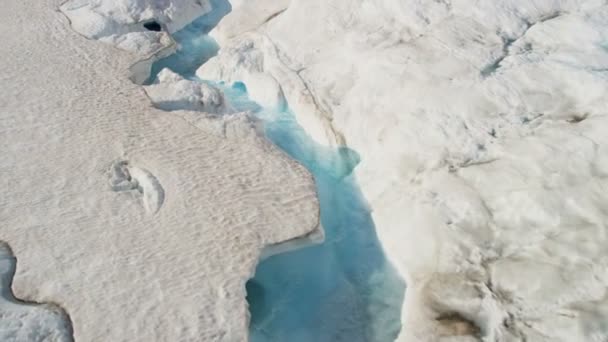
pixel 479 125
pixel 139 26
pixel 254 60
pixel 173 92
pixel 141 225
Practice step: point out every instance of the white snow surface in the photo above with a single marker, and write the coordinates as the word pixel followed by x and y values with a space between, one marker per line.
pixel 23 321
pixel 140 224
pixel 253 59
pixel 173 92
pixel 120 22
pixel 482 131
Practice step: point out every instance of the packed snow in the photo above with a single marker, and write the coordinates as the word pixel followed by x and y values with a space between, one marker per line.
pixel 128 223
pixel 139 26
pixel 173 92
pixel 23 321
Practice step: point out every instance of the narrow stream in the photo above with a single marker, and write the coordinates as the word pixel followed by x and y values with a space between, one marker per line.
pixel 340 290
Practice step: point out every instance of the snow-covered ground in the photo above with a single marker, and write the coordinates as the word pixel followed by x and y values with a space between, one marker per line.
pixel 22 321
pixel 140 26
pixel 139 224
pixel 481 127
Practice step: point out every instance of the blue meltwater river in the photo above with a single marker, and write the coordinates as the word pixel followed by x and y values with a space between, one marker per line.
pixel 340 290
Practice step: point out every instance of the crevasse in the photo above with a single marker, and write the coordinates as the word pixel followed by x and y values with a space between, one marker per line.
pixel 340 290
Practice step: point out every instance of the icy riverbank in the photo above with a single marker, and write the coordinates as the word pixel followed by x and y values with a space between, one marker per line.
pixel 339 289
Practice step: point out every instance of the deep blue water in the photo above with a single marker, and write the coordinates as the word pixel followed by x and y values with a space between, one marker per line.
pixel 340 290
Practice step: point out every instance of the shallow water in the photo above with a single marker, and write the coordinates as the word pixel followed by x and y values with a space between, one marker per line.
pixel 340 290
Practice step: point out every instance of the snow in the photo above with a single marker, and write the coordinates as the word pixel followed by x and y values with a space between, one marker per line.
pixel 22 321
pixel 122 22
pixel 479 128
pixel 173 92
pixel 139 224
pixel 264 90
pixel 254 55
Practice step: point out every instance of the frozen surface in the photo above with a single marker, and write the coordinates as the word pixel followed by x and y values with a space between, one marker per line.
pixel 340 289
pixel 254 58
pixel 481 129
pixel 173 92
pixel 139 26
pixel 140 224
pixel 22 321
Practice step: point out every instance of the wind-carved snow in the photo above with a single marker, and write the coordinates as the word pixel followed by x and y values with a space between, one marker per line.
pixel 27 321
pixel 173 92
pixel 155 249
pixel 479 128
pixel 139 26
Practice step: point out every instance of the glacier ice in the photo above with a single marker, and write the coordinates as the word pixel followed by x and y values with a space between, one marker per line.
pixel 478 127
pixel 339 289
pixel 139 26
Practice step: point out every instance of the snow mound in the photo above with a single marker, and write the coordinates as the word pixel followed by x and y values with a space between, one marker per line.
pixel 173 92
pixel 253 60
pixel 140 26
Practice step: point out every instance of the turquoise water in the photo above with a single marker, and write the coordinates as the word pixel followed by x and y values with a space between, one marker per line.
pixel 340 290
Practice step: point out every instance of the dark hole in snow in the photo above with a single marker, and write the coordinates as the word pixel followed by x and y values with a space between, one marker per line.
pixel 578 118
pixel 152 26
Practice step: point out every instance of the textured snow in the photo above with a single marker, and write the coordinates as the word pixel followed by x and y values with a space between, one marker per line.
pixel 481 126
pixel 141 225
pixel 121 22
pixel 22 321
pixel 173 92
